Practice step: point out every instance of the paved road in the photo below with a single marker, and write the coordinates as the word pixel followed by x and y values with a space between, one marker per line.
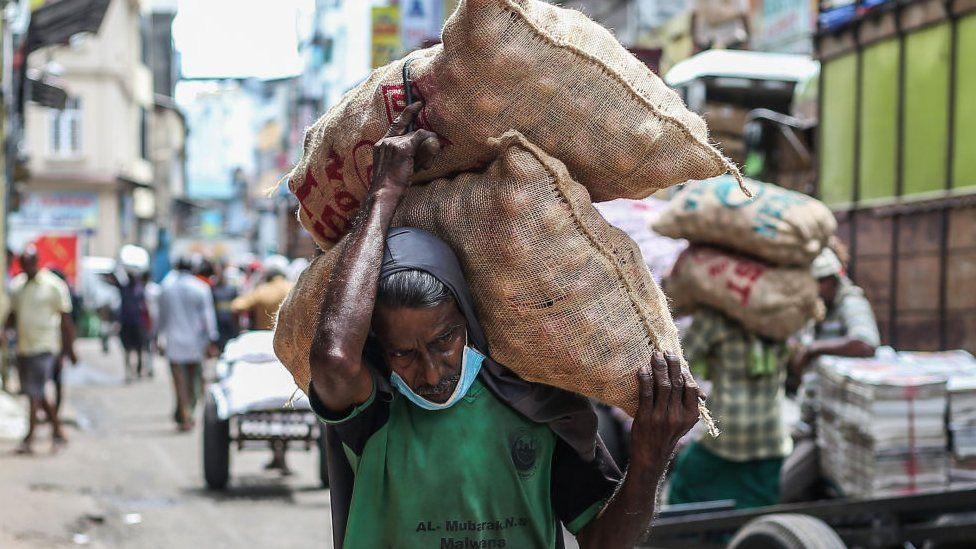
pixel 128 479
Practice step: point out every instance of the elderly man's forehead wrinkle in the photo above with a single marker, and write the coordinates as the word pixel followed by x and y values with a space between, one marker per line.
pixel 403 328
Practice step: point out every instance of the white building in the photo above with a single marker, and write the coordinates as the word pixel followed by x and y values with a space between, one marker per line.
pixel 89 164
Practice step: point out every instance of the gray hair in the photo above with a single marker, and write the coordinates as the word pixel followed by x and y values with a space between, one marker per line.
pixel 412 289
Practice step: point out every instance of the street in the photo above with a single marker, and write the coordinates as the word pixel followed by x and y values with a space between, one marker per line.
pixel 128 479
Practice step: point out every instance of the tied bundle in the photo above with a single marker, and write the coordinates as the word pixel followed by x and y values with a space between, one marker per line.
pixel 749 256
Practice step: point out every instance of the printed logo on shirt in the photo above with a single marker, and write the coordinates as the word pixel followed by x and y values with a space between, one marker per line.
pixel 524 449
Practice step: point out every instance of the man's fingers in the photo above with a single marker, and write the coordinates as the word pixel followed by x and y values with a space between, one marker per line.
pixel 674 370
pixel 400 124
pixel 662 385
pixel 418 137
pixel 426 152
pixel 691 383
pixel 689 398
pixel 646 380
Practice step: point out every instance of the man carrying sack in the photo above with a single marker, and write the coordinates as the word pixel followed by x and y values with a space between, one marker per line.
pixel 433 443
pixel 747 374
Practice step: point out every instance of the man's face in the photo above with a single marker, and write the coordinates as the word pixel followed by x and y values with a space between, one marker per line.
pixel 828 288
pixel 423 346
pixel 28 262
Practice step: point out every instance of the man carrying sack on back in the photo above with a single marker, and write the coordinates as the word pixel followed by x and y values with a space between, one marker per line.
pixel 434 444
pixel 747 395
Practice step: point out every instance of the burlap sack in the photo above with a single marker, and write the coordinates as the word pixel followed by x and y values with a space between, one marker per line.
pixel 548 72
pixel 781 226
pixel 775 302
pixel 565 298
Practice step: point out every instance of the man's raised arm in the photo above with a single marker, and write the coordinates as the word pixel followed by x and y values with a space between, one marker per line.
pixel 339 377
pixel 668 409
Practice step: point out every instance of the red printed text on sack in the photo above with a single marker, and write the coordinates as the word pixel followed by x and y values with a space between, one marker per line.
pixel 745 274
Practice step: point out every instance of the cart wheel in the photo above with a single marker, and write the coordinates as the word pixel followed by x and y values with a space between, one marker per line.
pixel 323 459
pixel 786 531
pixel 216 447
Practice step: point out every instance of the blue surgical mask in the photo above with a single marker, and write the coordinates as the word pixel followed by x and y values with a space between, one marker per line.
pixel 470 366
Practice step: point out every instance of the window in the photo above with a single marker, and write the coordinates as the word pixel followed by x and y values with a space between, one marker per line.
pixel 64 129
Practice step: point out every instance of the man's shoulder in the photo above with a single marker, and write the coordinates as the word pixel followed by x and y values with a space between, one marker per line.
pixel 48 278
pixel 850 299
pixel 850 292
pixel 196 283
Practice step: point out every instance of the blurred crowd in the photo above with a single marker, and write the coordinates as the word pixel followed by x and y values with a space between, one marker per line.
pixel 186 317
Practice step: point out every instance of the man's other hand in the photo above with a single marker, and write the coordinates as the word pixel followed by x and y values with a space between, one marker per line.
pixel 668 409
pixel 399 154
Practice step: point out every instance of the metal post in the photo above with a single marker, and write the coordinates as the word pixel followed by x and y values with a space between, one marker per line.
pixel 949 182
pixel 856 180
pixel 899 187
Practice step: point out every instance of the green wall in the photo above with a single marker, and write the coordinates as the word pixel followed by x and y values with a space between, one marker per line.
pixel 926 138
pixel 964 150
pixel 879 120
pixel 837 130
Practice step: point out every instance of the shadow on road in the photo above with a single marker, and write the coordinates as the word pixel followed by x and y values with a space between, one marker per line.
pixel 253 487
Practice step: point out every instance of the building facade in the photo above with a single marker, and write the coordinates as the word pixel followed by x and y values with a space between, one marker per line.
pixel 90 168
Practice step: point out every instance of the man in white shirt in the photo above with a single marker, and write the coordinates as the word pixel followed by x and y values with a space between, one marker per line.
pixel 188 325
pixel 41 315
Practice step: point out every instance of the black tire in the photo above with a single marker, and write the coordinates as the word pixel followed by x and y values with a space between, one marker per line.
pixel 216 447
pixel 786 531
pixel 323 459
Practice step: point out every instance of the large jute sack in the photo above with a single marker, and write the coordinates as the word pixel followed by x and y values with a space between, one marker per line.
pixel 781 226
pixel 550 73
pixel 564 297
pixel 773 301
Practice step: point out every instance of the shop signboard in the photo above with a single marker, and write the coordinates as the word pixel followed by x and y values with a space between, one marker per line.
pixel 386 44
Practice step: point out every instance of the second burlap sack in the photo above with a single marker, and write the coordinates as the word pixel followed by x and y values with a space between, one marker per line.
pixel 564 298
pixel 772 301
pixel 551 73
pixel 779 225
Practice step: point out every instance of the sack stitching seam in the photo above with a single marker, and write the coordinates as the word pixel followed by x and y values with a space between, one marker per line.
pixel 577 219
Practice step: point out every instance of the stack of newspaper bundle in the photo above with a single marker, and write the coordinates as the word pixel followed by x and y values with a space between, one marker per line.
pixel 960 369
pixel 881 427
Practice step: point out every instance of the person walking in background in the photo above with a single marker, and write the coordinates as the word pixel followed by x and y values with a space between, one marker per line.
pixel 41 315
pixel 188 326
pixel 224 294
pixel 261 304
pixel 133 325
pixel 133 310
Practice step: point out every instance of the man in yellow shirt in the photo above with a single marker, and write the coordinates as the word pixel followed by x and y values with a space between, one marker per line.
pixel 263 301
pixel 41 314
